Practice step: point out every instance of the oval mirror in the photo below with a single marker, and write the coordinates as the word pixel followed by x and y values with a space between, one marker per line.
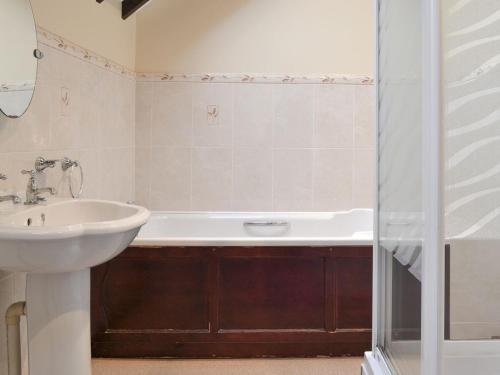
pixel 19 57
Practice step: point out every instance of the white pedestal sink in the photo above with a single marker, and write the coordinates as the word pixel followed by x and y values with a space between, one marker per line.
pixel 56 244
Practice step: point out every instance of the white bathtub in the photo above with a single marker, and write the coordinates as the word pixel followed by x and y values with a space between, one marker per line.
pixel 258 229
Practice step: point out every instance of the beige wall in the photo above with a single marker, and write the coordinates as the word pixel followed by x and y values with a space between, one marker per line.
pixel 257 36
pixel 230 36
pixel 97 27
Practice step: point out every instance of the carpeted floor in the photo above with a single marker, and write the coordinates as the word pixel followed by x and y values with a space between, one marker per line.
pixel 320 366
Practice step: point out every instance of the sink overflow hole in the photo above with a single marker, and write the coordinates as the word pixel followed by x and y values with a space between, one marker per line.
pixel 29 221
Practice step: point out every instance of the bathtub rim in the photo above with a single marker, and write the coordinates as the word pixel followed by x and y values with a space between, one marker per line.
pixel 250 241
pixel 294 214
pixel 218 241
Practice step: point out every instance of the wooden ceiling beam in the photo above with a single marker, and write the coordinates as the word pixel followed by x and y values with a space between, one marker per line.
pixel 129 7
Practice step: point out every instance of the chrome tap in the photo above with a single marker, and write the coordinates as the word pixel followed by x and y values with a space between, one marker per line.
pixel 11 197
pixel 41 164
pixel 32 189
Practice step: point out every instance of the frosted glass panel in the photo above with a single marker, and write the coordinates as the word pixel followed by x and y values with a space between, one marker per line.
pixel 471 68
pixel 400 180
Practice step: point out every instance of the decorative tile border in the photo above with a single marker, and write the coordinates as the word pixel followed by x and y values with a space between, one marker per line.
pixel 57 42
pixel 25 86
pixel 52 40
pixel 256 78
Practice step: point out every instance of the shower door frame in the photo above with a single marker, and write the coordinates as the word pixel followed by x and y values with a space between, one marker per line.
pixel 432 329
pixel 437 354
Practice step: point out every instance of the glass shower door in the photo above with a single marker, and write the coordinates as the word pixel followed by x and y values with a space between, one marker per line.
pixel 437 236
pixel 471 122
pixel 400 202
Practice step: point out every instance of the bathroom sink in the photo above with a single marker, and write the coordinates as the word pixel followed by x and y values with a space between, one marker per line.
pixel 56 244
pixel 67 235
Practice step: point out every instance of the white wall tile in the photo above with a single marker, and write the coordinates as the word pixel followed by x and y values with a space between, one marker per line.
pixel 293 116
pixel 93 168
pixel 333 174
pixel 117 177
pixel 364 116
pixel 143 106
pixel 171 178
pixel 254 122
pixel 172 115
pixel 252 188
pixel 90 118
pixel 32 131
pixel 363 182
pixel 253 115
pixel 212 179
pixel 209 96
pixel 96 126
pixel 292 180
pixel 143 169
pixel 334 119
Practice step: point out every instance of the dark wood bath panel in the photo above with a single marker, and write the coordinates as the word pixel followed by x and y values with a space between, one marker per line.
pixel 233 302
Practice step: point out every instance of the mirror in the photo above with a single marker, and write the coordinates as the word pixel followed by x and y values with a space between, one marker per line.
pixel 19 57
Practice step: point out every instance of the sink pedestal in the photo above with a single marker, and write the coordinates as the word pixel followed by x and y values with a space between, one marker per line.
pixel 52 243
pixel 58 316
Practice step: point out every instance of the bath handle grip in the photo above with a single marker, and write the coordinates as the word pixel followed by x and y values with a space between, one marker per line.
pixel 266 224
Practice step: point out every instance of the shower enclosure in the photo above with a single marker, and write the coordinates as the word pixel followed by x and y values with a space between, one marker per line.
pixel 437 234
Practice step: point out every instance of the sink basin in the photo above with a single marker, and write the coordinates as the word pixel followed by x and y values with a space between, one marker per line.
pixel 56 244
pixel 67 235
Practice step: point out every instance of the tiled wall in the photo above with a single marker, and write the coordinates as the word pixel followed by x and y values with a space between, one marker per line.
pixel 272 146
pixel 94 125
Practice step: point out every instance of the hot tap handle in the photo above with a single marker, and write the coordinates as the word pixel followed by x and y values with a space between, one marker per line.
pixel 41 164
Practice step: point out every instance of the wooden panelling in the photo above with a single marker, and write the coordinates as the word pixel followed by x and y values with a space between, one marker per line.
pixel 162 294
pixel 353 302
pixel 272 293
pixel 232 302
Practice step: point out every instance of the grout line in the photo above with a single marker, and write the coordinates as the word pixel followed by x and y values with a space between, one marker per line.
pixel 191 148
pixel 273 150
pixel 232 202
pixel 314 154
pixel 248 147
pixel 353 168
pixel 151 106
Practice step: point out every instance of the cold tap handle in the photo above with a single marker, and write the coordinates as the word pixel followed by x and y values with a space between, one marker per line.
pixel 41 163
